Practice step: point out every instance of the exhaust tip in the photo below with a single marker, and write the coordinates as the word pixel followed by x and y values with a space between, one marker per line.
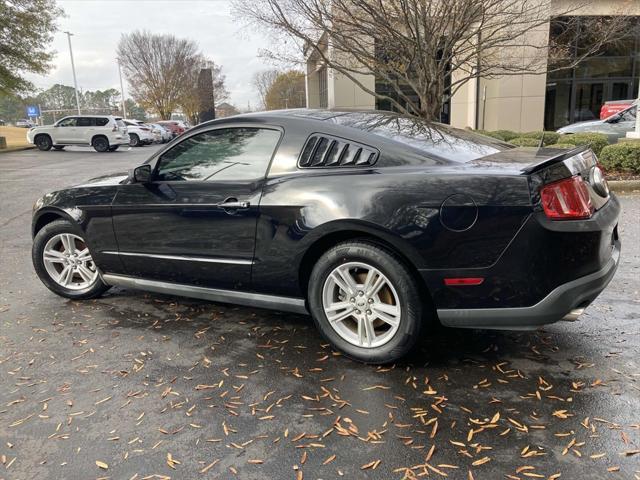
pixel 573 315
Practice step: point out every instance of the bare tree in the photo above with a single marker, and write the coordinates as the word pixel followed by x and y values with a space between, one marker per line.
pixel 286 91
pixel 262 81
pixel 422 51
pixel 157 68
pixel 190 96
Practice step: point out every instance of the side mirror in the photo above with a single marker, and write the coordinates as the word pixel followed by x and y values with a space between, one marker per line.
pixel 142 174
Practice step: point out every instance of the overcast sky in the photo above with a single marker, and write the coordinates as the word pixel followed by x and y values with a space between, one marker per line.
pixel 97 25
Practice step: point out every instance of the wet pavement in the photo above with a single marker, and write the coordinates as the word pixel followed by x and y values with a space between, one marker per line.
pixel 137 385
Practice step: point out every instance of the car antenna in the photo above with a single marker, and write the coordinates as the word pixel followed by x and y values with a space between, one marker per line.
pixel 541 144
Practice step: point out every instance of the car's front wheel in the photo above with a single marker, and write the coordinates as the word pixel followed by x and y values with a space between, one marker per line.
pixel 63 261
pixel 365 301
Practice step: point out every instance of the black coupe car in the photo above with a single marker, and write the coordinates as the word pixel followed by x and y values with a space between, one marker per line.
pixel 374 223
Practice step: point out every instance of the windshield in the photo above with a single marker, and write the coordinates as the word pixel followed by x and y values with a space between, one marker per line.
pixel 434 139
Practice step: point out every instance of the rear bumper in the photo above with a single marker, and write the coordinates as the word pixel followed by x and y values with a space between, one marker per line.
pixel 559 302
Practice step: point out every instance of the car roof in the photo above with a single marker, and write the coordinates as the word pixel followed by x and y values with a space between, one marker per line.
pixel 387 131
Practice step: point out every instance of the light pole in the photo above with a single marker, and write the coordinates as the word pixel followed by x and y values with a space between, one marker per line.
pixel 73 69
pixel 124 108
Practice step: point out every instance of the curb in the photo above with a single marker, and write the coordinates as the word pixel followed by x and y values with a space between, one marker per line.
pixel 624 185
pixel 17 149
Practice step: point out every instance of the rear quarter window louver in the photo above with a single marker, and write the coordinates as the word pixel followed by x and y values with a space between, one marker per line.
pixel 325 151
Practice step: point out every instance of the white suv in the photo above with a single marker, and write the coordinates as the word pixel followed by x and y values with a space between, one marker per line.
pixel 105 133
pixel 139 132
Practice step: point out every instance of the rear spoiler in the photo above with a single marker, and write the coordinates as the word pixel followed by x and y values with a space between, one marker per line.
pixel 559 158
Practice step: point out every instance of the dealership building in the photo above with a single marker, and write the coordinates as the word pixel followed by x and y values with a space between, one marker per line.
pixel 516 102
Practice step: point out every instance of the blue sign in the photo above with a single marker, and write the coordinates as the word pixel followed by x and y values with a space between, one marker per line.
pixel 33 111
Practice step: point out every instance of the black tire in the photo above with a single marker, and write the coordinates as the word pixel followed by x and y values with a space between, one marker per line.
pixel 411 321
pixel 113 148
pixel 100 144
pixel 43 142
pixel 58 147
pixel 97 288
pixel 134 140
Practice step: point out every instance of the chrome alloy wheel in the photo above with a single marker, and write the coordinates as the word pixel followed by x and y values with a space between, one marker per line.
pixel 68 262
pixel 361 304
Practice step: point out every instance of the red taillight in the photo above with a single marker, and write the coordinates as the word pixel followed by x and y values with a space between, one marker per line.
pixel 567 199
pixel 458 282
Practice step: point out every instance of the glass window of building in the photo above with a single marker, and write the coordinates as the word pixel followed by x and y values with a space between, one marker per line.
pixel 607 73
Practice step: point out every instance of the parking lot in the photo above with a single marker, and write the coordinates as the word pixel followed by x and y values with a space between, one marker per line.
pixel 136 385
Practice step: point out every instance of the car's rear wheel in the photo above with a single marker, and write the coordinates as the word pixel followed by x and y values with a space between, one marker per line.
pixel 365 301
pixel 43 142
pixel 113 148
pixel 134 140
pixel 100 144
pixel 63 261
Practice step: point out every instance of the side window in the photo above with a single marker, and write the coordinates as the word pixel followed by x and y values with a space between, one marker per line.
pixel 68 122
pixel 101 122
pixel 85 122
pixel 224 154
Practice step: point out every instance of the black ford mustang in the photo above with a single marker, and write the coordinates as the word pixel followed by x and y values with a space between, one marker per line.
pixel 372 222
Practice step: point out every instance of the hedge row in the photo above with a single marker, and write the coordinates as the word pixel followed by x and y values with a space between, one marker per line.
pixel 621 157
pixel 562 145
pixel 595 141
pixel 509 136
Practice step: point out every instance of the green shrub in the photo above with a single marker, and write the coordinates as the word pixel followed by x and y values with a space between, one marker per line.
pixel 595 141
pixel 623 156
pixel 506 135
pixel 549 137
pixel 524 142
pixel 490 134
pixel 562 145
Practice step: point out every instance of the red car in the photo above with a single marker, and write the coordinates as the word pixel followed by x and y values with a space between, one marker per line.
pixel 175 126
pixel 614 106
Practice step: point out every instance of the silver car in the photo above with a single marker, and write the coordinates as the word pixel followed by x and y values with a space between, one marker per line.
pixel 616 126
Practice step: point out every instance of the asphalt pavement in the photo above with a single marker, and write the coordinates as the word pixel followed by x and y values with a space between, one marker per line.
pixel 136 385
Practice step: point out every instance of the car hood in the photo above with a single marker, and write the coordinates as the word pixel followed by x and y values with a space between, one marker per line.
pixel 580 126
pixel 105 180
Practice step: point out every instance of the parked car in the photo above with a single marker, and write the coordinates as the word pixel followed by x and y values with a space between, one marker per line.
pixel 615 127
pixel 139 133
pixel 2 122
pixel 374 223
pixel 24 123
pixel 174 126
pixel 160 133
pixel 184 125
pixel 614 106
pixel 105 133
pixel 166 132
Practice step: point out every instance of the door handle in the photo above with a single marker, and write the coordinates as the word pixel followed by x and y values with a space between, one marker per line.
pixel 234 204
